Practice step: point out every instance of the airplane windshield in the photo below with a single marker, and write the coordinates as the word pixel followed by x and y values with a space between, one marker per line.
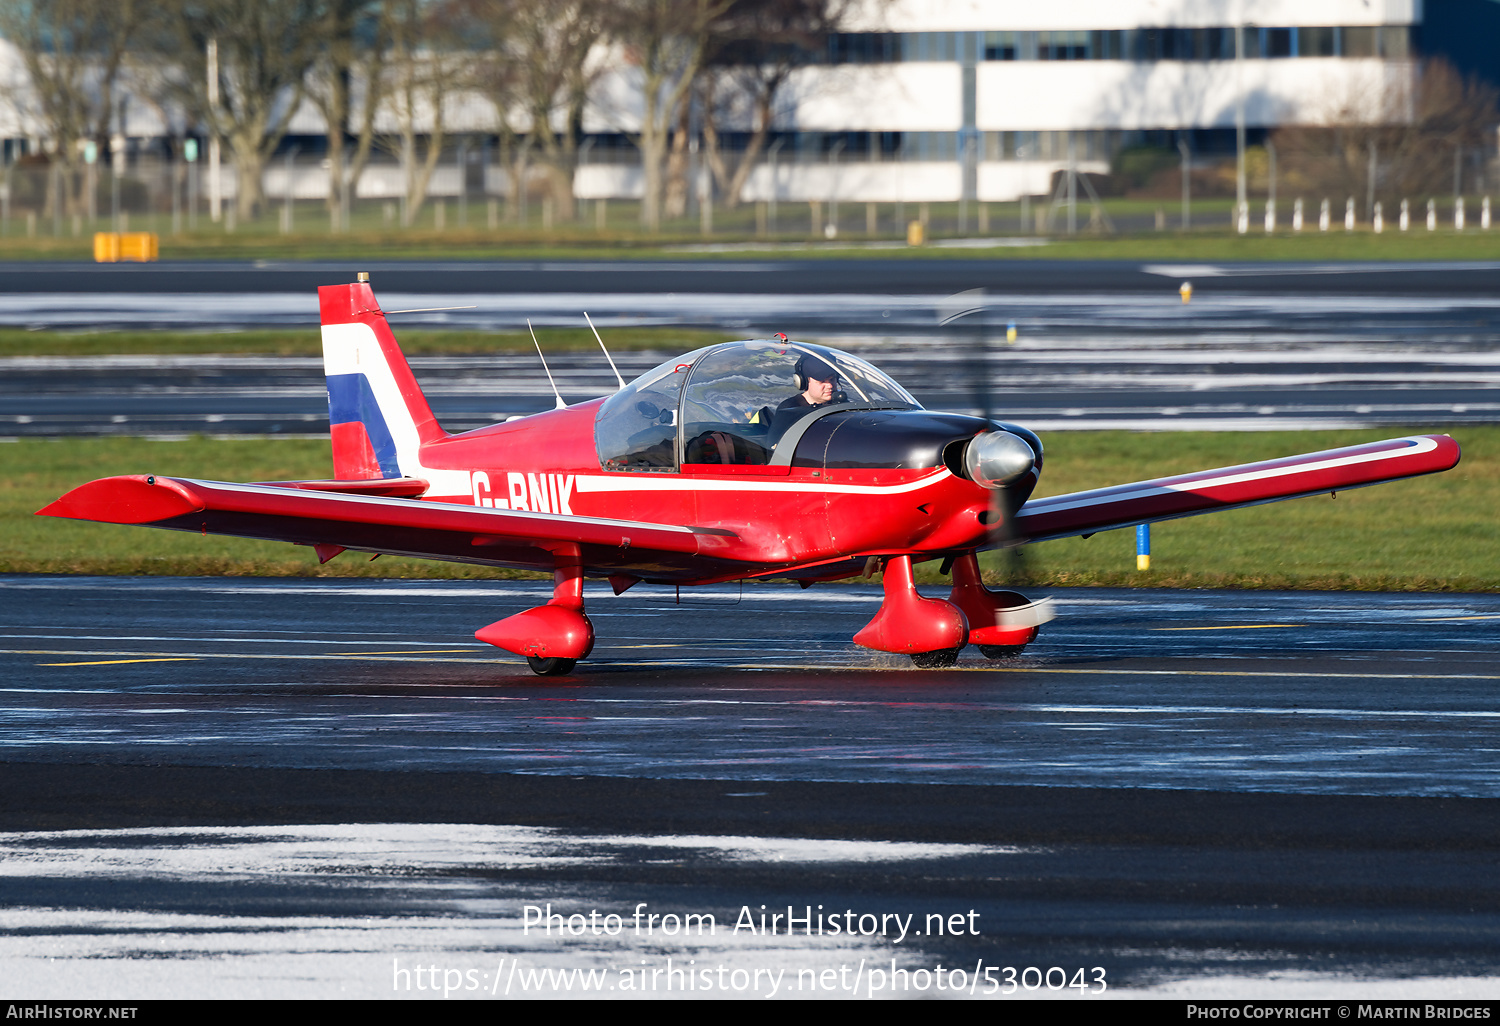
pixel 636 428
pixel 739 400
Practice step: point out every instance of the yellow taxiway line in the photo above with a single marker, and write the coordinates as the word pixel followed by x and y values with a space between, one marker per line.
pixel 115 662
pixel 1236 627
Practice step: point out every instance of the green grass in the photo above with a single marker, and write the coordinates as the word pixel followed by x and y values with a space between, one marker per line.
pixel 307 341
pixel 36 471
pixel 1435 533
pixel 1210 239
pixel 1172 247
pixel 1430 534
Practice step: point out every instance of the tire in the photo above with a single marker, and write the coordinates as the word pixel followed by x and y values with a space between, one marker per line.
pixel 551 667
pixel 1001 651
pixel 943 657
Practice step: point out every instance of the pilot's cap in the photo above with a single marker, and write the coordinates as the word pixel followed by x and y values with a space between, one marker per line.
pixel 812 367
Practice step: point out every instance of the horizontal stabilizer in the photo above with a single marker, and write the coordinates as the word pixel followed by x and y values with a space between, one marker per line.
pixel 398 487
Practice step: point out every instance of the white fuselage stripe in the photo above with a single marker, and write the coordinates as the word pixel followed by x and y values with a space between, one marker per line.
pixel 665 483
pixel 504 515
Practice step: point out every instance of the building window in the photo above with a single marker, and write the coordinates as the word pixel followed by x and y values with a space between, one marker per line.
pixel 1359 42
pixel 1142 44
pixel 1316 42
pixel 1001 46
pixel 1062 46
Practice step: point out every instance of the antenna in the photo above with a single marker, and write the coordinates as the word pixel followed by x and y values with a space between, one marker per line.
pixel 611 359
pixel 560 404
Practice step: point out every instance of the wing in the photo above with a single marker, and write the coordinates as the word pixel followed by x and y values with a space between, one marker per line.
pixel 307 514
pixel 1166 498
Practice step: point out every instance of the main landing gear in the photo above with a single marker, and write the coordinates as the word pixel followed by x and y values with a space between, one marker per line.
pixel 552 637
pixel 998 620
pixel 934 631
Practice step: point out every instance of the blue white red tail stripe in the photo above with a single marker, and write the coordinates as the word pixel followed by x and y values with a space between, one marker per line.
pixel 378 417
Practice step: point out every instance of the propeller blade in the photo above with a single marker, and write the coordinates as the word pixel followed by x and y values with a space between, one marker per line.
pixel 998 463
pixel 965 311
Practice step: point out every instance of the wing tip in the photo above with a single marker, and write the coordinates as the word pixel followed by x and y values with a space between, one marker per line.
pixel 128 499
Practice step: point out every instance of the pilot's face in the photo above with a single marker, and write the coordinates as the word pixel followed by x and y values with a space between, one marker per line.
pixel 818 392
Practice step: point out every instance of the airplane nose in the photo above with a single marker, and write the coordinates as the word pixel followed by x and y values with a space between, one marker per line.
pixel 997 459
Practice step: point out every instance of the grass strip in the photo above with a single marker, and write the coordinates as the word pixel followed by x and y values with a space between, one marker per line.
pixel 308 341
pixel 1213 244
pixel 1429 534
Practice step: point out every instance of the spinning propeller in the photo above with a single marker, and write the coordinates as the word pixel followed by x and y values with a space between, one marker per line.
pixel 997 459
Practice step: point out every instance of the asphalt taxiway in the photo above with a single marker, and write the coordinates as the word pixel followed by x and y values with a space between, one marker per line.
pixel 1098 344
pixel 1135 361
pixel 284 787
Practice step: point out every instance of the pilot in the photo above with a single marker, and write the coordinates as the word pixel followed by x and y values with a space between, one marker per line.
pixel 819 383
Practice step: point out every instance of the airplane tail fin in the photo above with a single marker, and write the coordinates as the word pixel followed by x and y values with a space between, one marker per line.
pixel 378 417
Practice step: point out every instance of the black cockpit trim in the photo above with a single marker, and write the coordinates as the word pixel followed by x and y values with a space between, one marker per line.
pixel 786 445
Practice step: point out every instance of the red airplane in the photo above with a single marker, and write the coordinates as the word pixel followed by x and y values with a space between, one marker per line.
pixel 738 461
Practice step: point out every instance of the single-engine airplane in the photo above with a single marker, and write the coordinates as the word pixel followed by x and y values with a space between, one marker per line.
pixel 704 469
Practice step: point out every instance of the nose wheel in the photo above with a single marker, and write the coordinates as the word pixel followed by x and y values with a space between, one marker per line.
pixel 1001 623
pixel 553 667
pixel 941 659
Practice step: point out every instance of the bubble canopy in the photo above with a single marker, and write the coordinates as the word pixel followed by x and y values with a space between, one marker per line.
pixel 725 404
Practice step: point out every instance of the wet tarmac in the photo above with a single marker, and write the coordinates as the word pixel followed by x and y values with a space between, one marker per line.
pixel 290 788
pixel 305 788
pixel 1097 345
pixel 1134 360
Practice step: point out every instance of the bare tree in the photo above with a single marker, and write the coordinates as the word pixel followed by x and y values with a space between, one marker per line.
pixel 351 51
pixel 1411 125
pixel 557 45
pixel 266 50
pixel 667 41
pixel 427 64
pixel 755 47
pixel 73 51
pixel 675 175
pixel 542 60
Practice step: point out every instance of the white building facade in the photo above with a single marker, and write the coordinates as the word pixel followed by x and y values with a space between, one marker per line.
pixel 983 100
